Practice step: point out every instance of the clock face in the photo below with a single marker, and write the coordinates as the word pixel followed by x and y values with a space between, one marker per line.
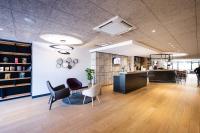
pixel 65 64
pixel 72 64
pixel 75 61
pixel 68 60
pixel 59 61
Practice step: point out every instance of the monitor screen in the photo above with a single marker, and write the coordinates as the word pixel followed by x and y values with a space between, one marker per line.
pixel 116 60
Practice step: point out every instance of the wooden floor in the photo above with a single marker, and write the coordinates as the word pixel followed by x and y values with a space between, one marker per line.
pixel 157 108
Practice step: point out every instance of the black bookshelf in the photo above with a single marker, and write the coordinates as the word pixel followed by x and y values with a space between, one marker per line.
pixel 15 69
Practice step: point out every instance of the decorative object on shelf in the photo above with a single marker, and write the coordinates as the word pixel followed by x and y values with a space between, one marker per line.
pixel 19 68
pixel 90 74
pixel 23 68
pixel 5 59
pixel 21 75
pixel 29 68
pixel 7 68
pixel 24 60
pixel 16 60
pixel 12 68
pixel 62 49
pixel 1 69
pixel 7 76
pixel 66 63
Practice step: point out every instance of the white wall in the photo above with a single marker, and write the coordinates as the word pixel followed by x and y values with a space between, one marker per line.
pixel 44 67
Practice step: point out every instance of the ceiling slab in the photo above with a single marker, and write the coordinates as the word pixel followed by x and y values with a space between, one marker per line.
pixel 177 22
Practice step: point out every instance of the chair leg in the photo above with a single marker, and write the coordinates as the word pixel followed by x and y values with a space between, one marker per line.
pixel 84 100
pixel 49 99
pixel 69 100
pixel 51 103
pixel 98 99
pixel 92 102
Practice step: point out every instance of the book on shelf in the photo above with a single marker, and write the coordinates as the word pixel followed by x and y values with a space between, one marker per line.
pixel 7 76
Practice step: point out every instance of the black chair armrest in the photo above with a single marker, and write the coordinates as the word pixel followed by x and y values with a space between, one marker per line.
pixel 85 87
pixel 59 87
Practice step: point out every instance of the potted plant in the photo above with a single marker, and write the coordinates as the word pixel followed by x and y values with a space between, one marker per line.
pixel 90 74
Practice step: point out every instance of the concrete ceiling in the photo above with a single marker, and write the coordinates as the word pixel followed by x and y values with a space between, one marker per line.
pixel 177 22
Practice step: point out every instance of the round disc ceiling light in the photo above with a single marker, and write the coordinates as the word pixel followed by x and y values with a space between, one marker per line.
pixel 61 39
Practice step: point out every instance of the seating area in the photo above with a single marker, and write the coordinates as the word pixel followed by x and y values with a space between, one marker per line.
pixel 74 86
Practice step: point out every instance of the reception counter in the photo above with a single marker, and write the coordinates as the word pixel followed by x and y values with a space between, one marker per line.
pixel 127 82
pixel 162 76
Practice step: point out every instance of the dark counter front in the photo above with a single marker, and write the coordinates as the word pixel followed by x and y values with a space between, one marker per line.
pixel 125 83
pixel 162 76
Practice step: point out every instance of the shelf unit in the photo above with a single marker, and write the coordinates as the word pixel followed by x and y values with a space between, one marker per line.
pixel 15 69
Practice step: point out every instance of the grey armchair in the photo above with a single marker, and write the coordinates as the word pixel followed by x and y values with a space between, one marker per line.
pixel 57 93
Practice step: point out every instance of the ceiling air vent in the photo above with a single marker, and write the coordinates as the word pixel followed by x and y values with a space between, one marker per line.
pixel 115 26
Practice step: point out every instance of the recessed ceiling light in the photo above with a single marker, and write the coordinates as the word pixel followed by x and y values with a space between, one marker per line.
pixel 60 39
pixel 169 43
pixel 1 29
pixel 29 20
pixel 153 31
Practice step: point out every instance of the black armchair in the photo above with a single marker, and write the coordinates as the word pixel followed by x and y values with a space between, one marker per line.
pixel 57 93
pixel 75 85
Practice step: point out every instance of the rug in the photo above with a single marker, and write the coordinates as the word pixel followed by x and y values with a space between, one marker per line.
pixel 77 99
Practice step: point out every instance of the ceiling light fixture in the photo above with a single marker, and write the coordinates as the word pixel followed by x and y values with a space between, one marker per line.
pixel 62 51
pixel 63 47
pixel 153 31
pixel 61 39
pixel 1 29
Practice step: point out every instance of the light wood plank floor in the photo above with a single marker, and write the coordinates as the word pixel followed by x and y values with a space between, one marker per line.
pixel 157 108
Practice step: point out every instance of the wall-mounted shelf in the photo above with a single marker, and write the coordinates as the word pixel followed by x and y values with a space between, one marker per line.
pixel 2 63
pixel 17 85
pixel 15 96
pixel 14 71
pixel 14 53
pixel 15 79
pixel 14 84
